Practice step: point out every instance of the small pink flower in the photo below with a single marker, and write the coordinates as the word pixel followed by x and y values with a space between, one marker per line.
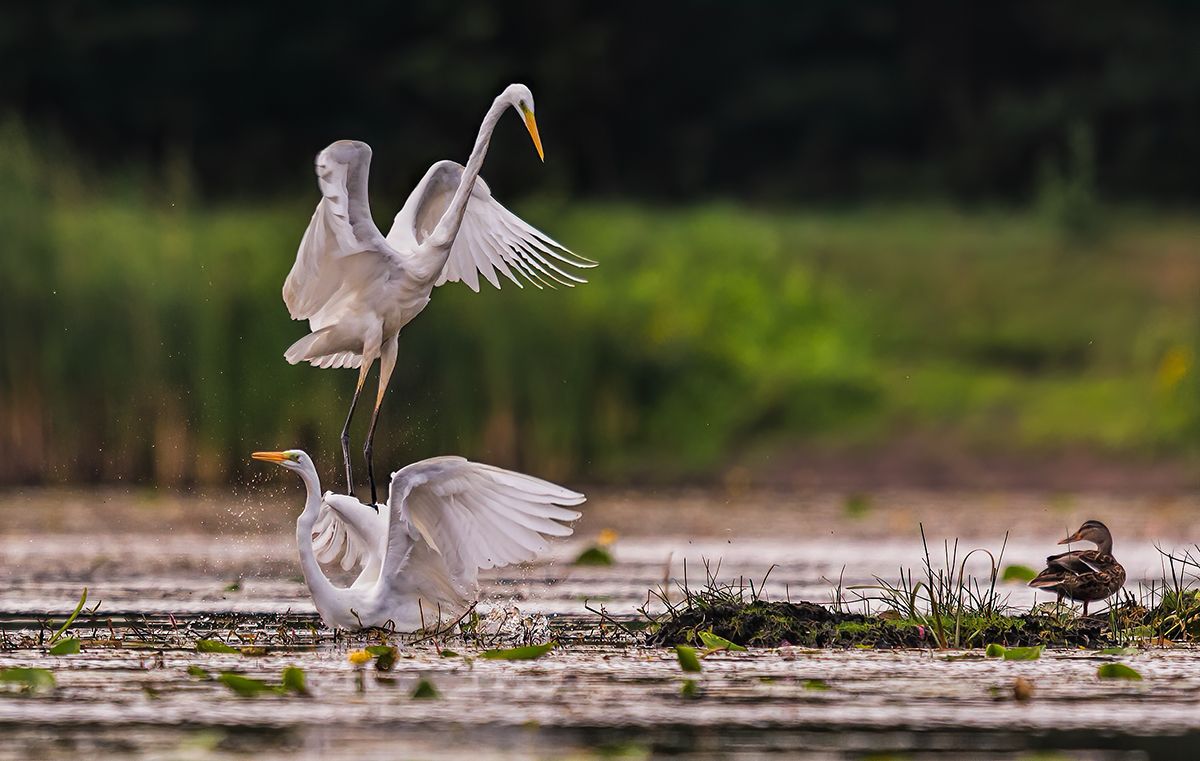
pixel 920 632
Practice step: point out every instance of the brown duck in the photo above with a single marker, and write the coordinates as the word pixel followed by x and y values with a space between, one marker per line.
pixel 1083 575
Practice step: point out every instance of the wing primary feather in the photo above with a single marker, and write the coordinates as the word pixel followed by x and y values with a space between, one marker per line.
pixel 534 244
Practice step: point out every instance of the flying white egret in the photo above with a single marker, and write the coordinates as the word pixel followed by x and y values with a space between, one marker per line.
pixel 358 289
pixel 445 519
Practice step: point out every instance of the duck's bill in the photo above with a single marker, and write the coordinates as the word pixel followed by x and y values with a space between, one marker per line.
pixel 271 456
pixel 1072 538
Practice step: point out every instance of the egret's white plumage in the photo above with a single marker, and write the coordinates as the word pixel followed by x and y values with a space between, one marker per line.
pixel 445 519
pixel 358 289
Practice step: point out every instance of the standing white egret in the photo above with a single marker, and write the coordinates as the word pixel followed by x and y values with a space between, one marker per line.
pixel 445 519
pixel 357 289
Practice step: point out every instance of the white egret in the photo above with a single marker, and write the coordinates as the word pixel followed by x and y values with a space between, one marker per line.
pixel 445 519
pixel 358 289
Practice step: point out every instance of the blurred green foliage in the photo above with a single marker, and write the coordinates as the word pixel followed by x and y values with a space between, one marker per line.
pixel 142 332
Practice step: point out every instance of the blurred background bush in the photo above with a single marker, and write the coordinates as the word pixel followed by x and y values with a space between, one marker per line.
pixel 823 227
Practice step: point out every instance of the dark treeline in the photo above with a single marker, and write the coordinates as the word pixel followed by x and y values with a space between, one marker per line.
pixel 773 101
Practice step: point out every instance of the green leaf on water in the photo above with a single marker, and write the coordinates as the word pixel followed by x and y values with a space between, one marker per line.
pixel 1020 573
pixel 68 646
pixel 816 684
pixel 690 688
pixel 715 642
pixel 253 650
pixel 30 680
pixel 294 681
pixel 994 651
pixel 198 672
pixel 594 556
pixel 234 586
pixel 526 653
pixel 244 685
pixel 385 658
pixel 857 505
pixel 214 646
pixel 448 654
pixel 1120 651
pixel 1023 653
pixel 425 690
pixel 1117 671
pixel 71 619
pixel 687 658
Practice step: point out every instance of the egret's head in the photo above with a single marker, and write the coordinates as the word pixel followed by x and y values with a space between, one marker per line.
pixel 292 459
pixel 1091 531
pixel 521 99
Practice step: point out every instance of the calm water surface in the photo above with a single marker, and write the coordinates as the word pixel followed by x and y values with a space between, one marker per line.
pixel 173 561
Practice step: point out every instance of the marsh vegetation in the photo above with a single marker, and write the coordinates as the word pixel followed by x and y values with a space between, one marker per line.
pixel 140 322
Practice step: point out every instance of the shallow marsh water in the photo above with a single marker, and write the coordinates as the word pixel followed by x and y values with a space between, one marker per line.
pixel 172 559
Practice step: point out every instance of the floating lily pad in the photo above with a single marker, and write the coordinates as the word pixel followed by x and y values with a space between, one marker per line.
pixel 30 680
pixel 1117 671
pixel 1023 653
pixel 857 505
pixel 294 681
pixel 690 688
pixel 526 653
pixel 385 656
pixel 594 556
pixel 714 642
pixel 994 651
pixel 68 646
pixel 1021 573
pixel 425 690
pixel 818 685
pixel 1120 651
pixel 687 658
pixel 198 672
pixel 214 646
pixel 448 654
pixel 244 685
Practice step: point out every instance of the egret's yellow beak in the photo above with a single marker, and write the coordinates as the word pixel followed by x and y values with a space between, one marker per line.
pixel 531 125
pixel 272 456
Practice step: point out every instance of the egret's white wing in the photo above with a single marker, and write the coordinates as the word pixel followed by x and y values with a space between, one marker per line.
pixel 459 516
pixel 490 239
pixel 348 530
pixel 341 228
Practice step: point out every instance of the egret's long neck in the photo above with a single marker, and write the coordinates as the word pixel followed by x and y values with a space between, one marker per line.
pixel 447 228
pixel 323 591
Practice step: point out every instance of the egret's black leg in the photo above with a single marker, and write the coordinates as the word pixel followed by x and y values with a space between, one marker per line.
pixel 368 450
pixel 362 376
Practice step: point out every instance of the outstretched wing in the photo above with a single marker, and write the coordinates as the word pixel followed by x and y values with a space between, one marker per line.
pixel 349 531
pixel 490 239
pixel 458 516
pixel 341 228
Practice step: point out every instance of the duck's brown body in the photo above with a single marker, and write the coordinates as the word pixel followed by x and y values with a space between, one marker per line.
pixel 1083 575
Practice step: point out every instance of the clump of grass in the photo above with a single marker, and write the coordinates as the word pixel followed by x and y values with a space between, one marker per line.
pixel 737 613
pixel 942 606
pixel 956 607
